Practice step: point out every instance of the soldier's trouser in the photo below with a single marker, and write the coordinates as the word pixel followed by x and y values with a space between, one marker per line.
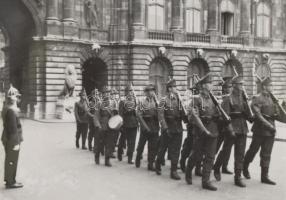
pixel 103 140
pixel 115 139
pixel 129 134
pixel 11 163
pixel 172 143
pixel 152 139
pixel 204 147
pixel 220 141
pixel 239 143
pixel 81 131
pixel 266 145
pixel 187 147
pixel 91 133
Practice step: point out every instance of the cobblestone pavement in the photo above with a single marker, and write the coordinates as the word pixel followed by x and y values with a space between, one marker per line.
pixel 51 168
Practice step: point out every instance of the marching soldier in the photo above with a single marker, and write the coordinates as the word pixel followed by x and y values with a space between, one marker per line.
pixel 81 116
pixel 236 106
pixel 267 110
pixel 94 101
pixel 226 90
pixel 115 99
pixel 11 137
pixel 107 109
pixel 188 142
pixel 204 114
pixel 171 115
pixel 127 110
pixel 149 129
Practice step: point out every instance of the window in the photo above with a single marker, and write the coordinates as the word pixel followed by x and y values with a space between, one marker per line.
pixel 193 16
pixel 160 72
pixel 227 9
pixel 263 20
pixel 2 45
pixel 156 14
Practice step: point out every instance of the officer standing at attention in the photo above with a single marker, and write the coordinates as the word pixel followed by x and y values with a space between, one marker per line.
pixel 171 115
pixel 236 106
pixel 205 115
pixel 81 116
pixel 104 137
pixel 149 128
pixel 127 110
pixel 266 111
pixel 11 137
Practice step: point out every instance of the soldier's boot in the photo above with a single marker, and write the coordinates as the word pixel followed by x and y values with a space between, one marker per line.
pixel 174 174
pixel 246 173
pixel 138 161
pixel 188 176
pixel 130 159
pixel 208 186
pixel 107 162
pixel 237 179
pixel 83 146
pixel 183 164
pixel 96 159
pixel 217 173
pixel 158 167
pixel 198 170
pixel 14 185
pixel 264 176
pixel 90 145
pixel 77 143
pixel 151 167
pixel 119 155
pixel 225 170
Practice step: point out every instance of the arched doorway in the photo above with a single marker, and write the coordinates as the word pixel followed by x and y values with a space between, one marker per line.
pixel 198 67
pixel 231 64
pixel 159 73
pixel 17 21
pixel 94 74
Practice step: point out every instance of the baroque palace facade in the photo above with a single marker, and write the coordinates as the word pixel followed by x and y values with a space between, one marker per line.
pixel 119 41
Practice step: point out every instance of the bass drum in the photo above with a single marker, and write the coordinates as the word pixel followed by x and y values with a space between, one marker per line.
pixel 115 122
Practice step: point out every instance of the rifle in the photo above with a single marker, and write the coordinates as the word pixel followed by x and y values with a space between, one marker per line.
pixel 225 116
pixel 275 100
pixel 246 98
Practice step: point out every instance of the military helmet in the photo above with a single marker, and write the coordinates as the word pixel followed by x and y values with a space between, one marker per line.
pixel 12 92
pixel 106 89
pixel 149 87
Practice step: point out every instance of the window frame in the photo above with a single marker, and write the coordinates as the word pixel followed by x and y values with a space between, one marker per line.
pixel 263 14
pixel 193 7
pixel 156 4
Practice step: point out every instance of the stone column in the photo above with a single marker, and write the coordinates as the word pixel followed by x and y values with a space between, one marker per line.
pixel 245 7
pixel 52 10
pixel 176 23
pixel 138 23
pixel 70 26
pixel 68 14
pixel 52 18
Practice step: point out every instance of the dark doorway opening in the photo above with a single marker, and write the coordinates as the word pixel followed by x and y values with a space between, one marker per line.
pixel 94 75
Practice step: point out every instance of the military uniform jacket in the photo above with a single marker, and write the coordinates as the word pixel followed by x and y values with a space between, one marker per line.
pixel 127 110
pixel 12 132
pixel 81 112
pixel 148 109
pixel 170 114
pixel 264 109
pixel 107 109
pixel 93 113
pixel 204 108
pixel 234 105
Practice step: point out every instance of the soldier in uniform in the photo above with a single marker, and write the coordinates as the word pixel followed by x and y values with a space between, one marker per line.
pixel 93 105
pixel 226 90
pixel 107 109
pixel 266 112
pixel 127 110
pixel 11 137
pixel 236 106
pixel 170 115
pixel 205 115
pixel 81 116
pixel 149 129
pixel 188 142
pixel 115 99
